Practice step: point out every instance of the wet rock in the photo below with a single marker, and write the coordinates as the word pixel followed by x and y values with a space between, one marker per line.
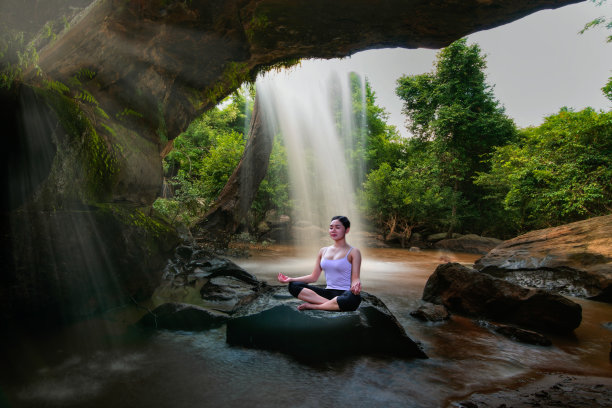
pixel 441 235
pixel 573 259
pixel 471 243
pixel 272 322
pixel 518 334
pixel 551 390
pixel 430 312
pixel 181 316
pixel 466 291
pixel 205 280
pixel 523 336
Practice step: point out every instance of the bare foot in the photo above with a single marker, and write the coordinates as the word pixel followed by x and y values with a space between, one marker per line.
pixel 305 306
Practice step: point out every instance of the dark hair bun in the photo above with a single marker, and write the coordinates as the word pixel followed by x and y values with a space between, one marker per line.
pixel 345 221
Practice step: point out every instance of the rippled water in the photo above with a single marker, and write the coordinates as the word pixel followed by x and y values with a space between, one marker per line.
pixel 99 364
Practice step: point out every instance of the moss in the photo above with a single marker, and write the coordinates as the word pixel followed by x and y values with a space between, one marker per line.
pixel 134 218
pixel 279 65
pixel 83 147
pixel 234 75
pixel 258 24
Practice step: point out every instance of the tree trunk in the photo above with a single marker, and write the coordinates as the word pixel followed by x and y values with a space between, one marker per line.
pixel 235 200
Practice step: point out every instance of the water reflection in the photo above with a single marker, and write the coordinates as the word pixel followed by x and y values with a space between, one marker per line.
pixel 164 369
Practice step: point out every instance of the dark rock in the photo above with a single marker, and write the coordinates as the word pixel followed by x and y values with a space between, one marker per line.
pixel 207 281
pixel 523 336
pixel 518 334
pixel 573 259
pixel 471 243
pixel 184 252
pixel 180 316
pixel 273 323
pixel 467 291
pixel 430 312
pixel 63 265
pixel 442 235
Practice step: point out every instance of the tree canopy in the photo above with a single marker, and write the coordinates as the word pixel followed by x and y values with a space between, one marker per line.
pixel 453 113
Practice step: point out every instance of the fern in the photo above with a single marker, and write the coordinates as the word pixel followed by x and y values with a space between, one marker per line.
pixel 56 86
pixel 101 112
pixel 85 73
pixel 86 96
pixel 128 112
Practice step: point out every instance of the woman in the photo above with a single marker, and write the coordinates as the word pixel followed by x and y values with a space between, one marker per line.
pixel 342 266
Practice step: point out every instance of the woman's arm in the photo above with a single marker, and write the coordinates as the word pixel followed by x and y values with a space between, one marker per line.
pixel 312 278
pixel 355 260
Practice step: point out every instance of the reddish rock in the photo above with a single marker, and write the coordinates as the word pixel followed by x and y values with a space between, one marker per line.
pixel 573 259
pixel 466 291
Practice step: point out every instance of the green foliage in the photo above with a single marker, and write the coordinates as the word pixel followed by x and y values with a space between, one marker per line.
pixel 273 193
pixel 599 21
pixel 220 162
pixel 16 56
pixel 203 159
pixel 607 89
pixel 556 173
pixel 97 164
pixel 454 110
pixel 56 86
pixel 127 112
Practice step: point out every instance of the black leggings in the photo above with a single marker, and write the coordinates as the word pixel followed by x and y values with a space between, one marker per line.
pixel 347 301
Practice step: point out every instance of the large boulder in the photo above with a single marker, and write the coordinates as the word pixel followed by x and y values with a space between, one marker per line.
pixel 466 291
pixel 471 243
pixel 273 323
pixel 197 277
pixel 573 259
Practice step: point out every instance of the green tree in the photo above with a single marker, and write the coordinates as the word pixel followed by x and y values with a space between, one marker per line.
pixel 454 109
pixel 407 194
pixel 273 193
pixel 203 158
pixel 607 22
pixel 556 173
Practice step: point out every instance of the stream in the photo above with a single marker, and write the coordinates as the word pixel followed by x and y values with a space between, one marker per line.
pixel 100 363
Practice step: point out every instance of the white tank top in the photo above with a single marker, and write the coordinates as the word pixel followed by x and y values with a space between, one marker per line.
pixel 337 272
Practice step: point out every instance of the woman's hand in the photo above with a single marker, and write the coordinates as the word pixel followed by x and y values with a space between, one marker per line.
pixel 283 278
pixel 356 287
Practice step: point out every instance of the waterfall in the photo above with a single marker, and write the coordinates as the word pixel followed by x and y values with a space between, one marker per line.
pixel 317 113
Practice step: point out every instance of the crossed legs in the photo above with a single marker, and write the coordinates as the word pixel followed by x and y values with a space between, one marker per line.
pixel 313 299
pixel 316 302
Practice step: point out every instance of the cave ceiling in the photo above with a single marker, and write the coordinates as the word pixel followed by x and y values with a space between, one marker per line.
pixel 168 61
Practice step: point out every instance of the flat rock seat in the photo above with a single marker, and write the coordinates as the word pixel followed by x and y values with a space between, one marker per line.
pixel 273 323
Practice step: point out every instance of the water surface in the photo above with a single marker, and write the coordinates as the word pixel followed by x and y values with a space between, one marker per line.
pixel 98 363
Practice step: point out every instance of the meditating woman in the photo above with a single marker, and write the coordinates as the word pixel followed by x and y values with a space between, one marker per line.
pixel 342 266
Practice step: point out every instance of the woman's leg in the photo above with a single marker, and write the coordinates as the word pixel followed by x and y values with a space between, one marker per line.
pixel 314 296
pixel 331 305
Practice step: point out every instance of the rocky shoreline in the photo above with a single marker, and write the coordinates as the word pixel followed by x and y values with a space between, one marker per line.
pixel 548 390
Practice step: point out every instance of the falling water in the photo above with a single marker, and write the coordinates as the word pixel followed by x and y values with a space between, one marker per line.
pixel 313 111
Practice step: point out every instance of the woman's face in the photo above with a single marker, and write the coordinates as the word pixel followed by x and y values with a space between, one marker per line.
pixel 337 230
